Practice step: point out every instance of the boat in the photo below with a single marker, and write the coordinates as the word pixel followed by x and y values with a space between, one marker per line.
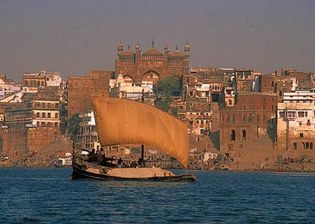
pixel 121 121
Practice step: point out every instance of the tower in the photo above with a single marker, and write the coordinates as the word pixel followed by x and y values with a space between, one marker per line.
pixel 120 47
pixel 187 49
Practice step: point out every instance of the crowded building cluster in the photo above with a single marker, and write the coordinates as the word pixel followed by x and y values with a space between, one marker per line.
pixel 232 107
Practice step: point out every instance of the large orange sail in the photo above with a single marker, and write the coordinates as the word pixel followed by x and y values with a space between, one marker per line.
pixel 121 121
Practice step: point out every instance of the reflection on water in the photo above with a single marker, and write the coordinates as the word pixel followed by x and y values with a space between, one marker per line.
pixel 49 196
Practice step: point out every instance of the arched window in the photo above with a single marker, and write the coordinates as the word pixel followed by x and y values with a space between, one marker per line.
pixel 151 76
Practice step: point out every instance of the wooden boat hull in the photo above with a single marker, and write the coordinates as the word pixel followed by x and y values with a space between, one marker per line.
pixel 97 172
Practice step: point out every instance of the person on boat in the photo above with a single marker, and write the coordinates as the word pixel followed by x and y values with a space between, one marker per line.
pixel 120 163
pixel 141 162
pixel 100 157
pixel 133 164
pixel 91 156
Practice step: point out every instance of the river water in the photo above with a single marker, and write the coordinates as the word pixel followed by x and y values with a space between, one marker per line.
pixel 49 196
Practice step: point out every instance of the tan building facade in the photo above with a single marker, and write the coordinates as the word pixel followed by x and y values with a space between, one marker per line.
pixel 81 88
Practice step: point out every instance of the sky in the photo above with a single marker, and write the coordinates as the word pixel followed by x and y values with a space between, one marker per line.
pixel 76 36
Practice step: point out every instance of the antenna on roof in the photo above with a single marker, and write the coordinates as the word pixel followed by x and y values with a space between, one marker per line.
pixel 152 43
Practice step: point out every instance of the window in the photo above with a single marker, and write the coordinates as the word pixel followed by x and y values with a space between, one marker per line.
pixel 43 115
pixel 301 114
pixel 37 114
pixel 301 135
pixel 44 105
pixel 244 135
pixel 49 105
pixel 232 136
pixel 57 105
pixel 291 114
pixel 43 124
pixel 249 118
pixel 49 115
pixel 48 124
pixel 233 119
pixel 227 118
pixel 308 123
pixel 37 123
pixel 56 115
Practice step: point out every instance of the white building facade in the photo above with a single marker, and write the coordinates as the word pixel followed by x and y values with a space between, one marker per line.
pixel 296 121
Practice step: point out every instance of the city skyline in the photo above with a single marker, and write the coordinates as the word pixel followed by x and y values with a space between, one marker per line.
pixel 74 37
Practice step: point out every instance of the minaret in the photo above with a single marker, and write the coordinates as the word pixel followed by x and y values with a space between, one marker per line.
pixel 187 49
pixel 152 43
pixel 120 47
pixel 166 49
pixel 138 51
pixel 187 54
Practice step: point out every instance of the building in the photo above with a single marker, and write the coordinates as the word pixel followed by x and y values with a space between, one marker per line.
pixel 129 90
pixel 87 138
pixel 33 81
pixel 246 118
pixel 286 80
pixel 46 108
pixel 8 87
pixel 151 65
pixel 13 132
pixel 80 89
pixel 296 121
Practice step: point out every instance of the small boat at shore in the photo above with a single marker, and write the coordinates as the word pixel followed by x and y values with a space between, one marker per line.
pixel 121 121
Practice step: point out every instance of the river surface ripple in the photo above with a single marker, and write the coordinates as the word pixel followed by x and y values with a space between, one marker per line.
pixel 49 196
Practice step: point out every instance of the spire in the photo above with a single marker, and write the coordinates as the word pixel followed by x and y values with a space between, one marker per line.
pixel 166 49
pixel 128 47
pixel 166 46
pixel 187 48
pixel 120 46
pixel 152 43
pixel 176 47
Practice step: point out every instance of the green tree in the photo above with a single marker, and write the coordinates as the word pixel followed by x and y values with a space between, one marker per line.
pixel 73 126
pixel 166 89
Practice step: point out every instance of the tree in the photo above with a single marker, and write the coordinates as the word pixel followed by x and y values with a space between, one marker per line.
pixel 73 126
pixel 166 89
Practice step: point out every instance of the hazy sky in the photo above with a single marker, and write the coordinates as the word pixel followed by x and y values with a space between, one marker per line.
pixel 76 36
